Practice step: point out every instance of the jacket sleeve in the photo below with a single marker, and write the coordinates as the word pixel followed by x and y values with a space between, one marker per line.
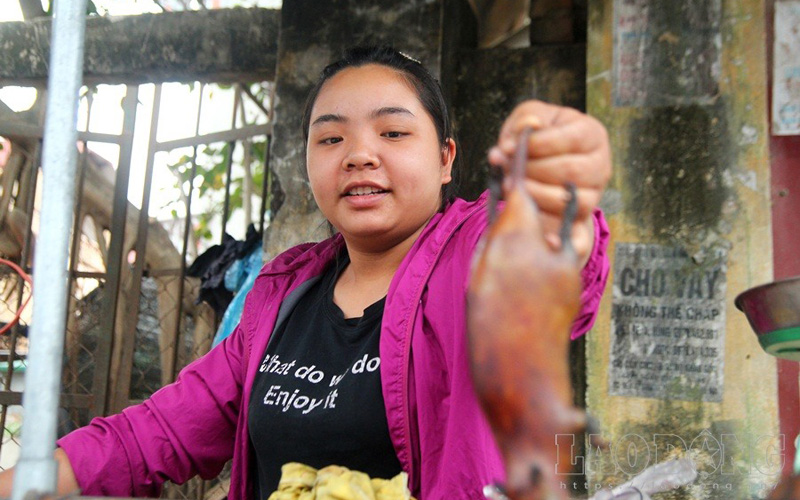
pixel 186 428
pixel 594 276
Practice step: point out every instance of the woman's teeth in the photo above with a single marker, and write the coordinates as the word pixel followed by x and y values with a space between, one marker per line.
pixel 364 190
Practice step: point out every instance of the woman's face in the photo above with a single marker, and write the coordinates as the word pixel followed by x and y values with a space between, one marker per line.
pixel 374 159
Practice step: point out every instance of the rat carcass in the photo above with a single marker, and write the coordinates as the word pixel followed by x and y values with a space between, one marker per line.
pixel 522 299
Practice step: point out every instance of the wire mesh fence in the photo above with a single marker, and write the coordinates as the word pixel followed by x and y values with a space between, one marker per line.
pixel 14 321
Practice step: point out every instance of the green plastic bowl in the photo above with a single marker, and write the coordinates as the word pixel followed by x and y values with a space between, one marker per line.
pixel 773 311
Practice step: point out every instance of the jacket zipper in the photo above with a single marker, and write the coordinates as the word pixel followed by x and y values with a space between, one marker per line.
pixel 407 338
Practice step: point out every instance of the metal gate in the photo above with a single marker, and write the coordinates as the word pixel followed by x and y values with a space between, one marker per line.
pixel 132 319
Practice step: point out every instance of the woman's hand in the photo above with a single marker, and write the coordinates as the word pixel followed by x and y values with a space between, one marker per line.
pixel 66 483
pixel 565 146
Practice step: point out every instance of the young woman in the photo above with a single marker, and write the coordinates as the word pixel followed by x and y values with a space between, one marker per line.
pixel 353 351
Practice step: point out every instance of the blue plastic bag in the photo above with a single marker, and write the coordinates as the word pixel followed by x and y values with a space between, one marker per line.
pixel 239 279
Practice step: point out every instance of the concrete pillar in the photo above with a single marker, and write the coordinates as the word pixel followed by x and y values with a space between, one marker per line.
pixel 674 369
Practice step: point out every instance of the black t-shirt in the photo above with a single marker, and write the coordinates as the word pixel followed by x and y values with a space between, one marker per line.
pixel 317 397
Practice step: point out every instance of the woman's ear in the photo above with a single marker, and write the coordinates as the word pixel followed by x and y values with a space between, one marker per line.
pixel 448 157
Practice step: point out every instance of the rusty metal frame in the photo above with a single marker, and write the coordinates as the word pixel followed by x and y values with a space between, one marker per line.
pixel 229 165
pixel 114 266
pixel 119 396
pixel 106 398
pixel 114 403
pixel 71 385
pixel 232 135
pixel 187 227
pixel 36 468
pixel 266 185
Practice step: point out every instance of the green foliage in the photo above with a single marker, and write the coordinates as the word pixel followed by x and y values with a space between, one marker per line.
pixel 208 169
pixel 209 179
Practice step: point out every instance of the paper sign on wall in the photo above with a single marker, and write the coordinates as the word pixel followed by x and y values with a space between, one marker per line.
pixel 667 324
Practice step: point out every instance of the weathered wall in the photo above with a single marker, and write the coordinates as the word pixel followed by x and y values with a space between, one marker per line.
pixel 213 45
pixel 672 364
pixel 491 82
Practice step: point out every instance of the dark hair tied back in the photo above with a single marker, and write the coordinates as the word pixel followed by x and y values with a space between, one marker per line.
pixel 428 89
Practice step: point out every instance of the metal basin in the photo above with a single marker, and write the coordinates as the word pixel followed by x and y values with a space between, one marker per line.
pixel 773 311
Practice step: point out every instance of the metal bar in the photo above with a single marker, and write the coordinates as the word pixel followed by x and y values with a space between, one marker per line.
pixel 235 134
pixel 73 265
pixel 5 357
pixel 228 168
pixel 71 400
pixel 105 342
pixel 12 128
pixel 89 274
pixel 101 137
pixel 187 227
pixel 77 221
pixel 17 128
pixel 120 382
pixel 90 90
pixel 226 207
pixel 31 205
pixel 155 273
pixel 102 244
pixel 247 163
pixel 36 469
pixel 147 272
pixel 266 185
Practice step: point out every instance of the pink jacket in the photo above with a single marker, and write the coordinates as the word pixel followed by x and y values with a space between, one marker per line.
pixel 442 440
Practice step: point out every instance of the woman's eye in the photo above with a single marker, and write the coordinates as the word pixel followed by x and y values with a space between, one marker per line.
pixel 394 134
pixel 331 140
